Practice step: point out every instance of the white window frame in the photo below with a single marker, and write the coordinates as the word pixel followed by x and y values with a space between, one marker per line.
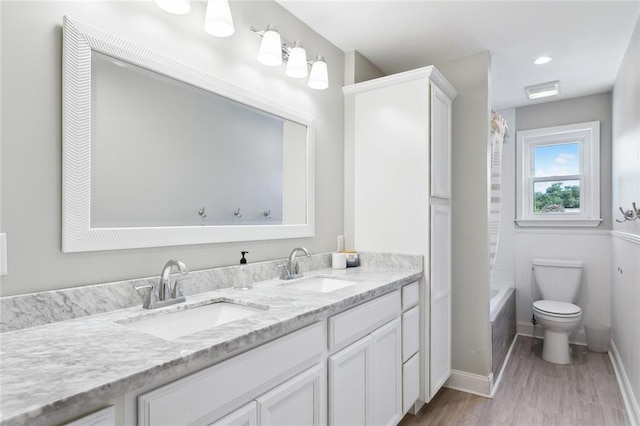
pixel 588 136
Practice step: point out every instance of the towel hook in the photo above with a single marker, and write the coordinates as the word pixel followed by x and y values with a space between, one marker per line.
pixel 629 215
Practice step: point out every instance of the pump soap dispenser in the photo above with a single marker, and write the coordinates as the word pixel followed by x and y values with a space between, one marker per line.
pixel 242 281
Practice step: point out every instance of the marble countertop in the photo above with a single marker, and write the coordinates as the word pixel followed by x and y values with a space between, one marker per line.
pixel 47 368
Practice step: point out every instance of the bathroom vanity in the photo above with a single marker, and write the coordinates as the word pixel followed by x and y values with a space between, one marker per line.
pixel 307 355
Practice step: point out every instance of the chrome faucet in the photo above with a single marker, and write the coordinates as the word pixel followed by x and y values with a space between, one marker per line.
pixel 164 293
pixel 291 268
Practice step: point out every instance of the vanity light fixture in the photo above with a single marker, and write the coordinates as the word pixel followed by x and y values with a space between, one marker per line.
pixel 218 21
pixel 543 90
pixel 542 60
pixel 274 50
pixel 178 7
pixel 297 63
pixel 270 52
pixel 319 78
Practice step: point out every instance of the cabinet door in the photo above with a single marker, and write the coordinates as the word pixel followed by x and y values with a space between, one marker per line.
pixel 391 130
pixel 440 143
pixel 350 384
pixel 243 416
pixel 410 333
pixel 387 373
pixel 299 401
pixel 440 324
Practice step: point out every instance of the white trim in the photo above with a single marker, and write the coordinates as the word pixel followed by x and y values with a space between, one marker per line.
pixel 564 231
pixel 588 136
pixel 79 40
pixel 630 402
pixel 495 385
pixel 470 383
pixel 633 238
pixel 586 223
pixel 429 72
pixel 524 328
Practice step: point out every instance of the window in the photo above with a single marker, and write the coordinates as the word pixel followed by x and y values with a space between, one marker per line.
pixel 559 178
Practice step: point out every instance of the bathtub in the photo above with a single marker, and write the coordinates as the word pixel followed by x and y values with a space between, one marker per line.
pixel 498 297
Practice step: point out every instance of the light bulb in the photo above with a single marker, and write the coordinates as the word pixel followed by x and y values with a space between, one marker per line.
pixel 218 21
pixel 178 7
pixel 297 64
pixel 319 78
pixel 271 48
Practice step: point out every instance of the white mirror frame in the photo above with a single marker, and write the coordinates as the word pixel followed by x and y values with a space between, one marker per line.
pixel 77 234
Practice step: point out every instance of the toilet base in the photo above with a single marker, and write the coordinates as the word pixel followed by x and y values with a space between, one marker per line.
pixel 555 347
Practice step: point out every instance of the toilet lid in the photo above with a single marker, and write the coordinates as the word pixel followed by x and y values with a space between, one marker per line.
pixel 556 308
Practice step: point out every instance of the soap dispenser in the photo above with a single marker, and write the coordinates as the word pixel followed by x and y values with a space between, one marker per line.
pixel 242 281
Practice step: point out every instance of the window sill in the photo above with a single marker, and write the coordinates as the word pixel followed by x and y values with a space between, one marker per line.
pixel 572 223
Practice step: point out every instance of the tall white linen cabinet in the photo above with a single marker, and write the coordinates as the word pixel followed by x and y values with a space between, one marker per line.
pixel 398 193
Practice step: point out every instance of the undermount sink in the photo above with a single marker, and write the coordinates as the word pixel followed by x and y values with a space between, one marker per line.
pixel 175 324
pixel 323 284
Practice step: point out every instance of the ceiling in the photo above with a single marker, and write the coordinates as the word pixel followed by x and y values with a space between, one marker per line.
pixel 587 39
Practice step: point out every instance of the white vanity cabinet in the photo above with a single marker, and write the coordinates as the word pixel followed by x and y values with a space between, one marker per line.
pixel 346 370
pixel 281 382
pixel 398 193
pixel 365 378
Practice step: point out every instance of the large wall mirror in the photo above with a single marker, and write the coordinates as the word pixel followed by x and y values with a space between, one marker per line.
pixel 156 152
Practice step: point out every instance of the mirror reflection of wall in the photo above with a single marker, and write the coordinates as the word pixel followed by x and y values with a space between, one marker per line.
pixel 214 153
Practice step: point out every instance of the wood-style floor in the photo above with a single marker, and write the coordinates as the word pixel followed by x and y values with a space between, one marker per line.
pixel 535 392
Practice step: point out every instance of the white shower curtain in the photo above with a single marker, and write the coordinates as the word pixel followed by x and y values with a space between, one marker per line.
pixel 498 130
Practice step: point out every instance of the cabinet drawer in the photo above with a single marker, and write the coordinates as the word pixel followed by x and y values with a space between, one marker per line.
pixel 210 393
pixel 349 326
pixel 410 333
pixel 410 382
pixel 410 296
pixel 104 417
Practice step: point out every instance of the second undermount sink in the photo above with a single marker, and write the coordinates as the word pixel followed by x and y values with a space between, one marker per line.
pixel 323 284
pixel 175 324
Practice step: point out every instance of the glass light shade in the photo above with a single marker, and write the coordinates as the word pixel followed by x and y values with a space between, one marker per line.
pixel 319 78
pixel 218 21
pixel 271 48
pixel 297 64
pixel 178 7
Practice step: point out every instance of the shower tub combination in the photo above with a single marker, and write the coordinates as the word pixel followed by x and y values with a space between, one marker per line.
pixel 503 325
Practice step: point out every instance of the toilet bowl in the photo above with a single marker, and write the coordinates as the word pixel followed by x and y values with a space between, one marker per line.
pixel 557 319
pixel 559 283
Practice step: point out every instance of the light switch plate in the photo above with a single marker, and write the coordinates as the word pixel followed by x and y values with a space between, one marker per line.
pixel 3 254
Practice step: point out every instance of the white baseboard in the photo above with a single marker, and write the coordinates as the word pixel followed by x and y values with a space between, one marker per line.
pixel 527 329
pixel 470 383
pixel 630 402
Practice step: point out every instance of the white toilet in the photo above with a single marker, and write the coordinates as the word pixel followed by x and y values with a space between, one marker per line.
pixel 559 284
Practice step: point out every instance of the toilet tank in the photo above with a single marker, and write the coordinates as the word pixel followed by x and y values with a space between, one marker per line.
pixel 558 280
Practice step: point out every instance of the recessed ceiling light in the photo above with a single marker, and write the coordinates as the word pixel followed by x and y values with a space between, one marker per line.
pixel 543 90
pixel 542 60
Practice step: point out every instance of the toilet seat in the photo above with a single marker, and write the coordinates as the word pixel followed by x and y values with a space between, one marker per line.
pixel 557 309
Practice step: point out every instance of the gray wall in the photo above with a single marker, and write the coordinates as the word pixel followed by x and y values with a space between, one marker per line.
pixel 578 110
pixel 31 135
pixel 357 68
pixel 471 340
